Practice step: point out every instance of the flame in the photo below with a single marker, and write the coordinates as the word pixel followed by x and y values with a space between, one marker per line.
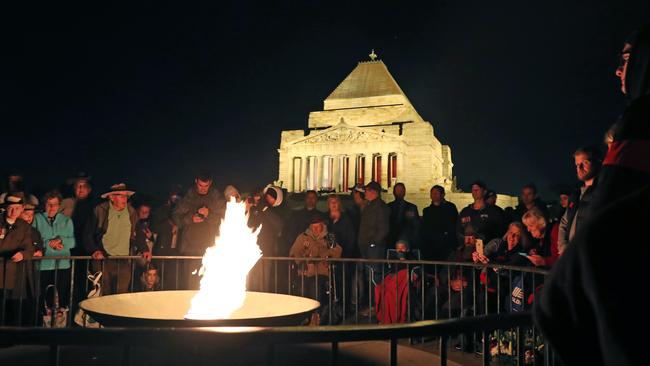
pixel 225 267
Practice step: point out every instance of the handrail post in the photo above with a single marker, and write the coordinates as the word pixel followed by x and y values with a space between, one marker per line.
pixel 270 355
pixel 393 352
pixel 443 350
pixel 486 348
pixel 54 354
pixel 334 360
pixel 520 346
pixel 126 355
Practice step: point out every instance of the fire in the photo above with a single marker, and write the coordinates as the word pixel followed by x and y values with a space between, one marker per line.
pixel 225 267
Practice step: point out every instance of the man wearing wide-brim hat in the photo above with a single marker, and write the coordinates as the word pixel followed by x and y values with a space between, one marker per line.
pixel 15 247
pixel 118 190
pixel 111 233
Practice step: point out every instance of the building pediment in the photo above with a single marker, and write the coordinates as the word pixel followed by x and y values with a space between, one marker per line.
pixel 383 115
pixel 343 133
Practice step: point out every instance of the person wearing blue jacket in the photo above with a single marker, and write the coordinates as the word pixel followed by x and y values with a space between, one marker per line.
pixel 57 232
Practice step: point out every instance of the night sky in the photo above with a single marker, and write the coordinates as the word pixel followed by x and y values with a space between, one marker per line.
pixel 149 95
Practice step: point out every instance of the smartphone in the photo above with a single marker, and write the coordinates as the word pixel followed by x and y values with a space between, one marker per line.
pixel 479 247
pixel 523 254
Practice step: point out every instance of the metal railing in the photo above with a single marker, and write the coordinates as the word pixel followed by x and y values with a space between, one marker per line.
pixel 430 290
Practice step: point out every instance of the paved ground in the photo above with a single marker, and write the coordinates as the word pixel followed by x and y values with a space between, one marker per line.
pixel 353 353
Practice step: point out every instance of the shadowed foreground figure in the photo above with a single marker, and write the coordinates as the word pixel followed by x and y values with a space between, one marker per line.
pixel 590 310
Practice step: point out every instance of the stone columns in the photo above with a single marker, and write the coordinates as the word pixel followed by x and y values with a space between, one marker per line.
pixel 384 170
pixel 368 170
pixel 350 171
pixel 336 172
pixel 296 167
pixel 399 167
pixel 303 173
pixel 318 165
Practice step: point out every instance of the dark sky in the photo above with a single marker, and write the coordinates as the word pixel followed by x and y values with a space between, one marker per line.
pixel 148 95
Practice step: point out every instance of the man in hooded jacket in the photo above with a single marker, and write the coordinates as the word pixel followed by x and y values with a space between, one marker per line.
pixel 585 308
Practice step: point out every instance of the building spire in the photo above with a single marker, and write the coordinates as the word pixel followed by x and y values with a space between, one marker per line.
pixel 373 56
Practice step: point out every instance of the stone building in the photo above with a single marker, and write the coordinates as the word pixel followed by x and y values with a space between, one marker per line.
pixel 369 130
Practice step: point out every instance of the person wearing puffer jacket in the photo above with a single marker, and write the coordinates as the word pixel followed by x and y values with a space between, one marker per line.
pixel 316 242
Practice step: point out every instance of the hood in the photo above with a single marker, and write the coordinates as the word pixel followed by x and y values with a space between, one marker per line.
pixel 230 191
pixel 626 167
pixel 276 193
pixel 321 236
pixel 637 78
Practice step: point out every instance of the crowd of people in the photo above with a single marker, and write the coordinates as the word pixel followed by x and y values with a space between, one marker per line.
pixel 112 224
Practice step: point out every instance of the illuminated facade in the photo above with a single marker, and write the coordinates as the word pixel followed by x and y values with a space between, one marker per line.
pixel 368 130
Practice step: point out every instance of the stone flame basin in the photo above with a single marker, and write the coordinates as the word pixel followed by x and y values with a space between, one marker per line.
pixel 168 309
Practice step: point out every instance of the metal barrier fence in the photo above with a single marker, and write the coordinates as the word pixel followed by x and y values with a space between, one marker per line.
pixel 353 291
pixel 221 340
